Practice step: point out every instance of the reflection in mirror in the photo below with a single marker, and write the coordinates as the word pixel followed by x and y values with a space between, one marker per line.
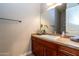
pixel 53 16
pixel 61 18
pixel 72 19
pixel 48 16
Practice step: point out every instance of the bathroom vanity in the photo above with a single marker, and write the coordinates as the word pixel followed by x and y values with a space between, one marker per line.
pixel 53 46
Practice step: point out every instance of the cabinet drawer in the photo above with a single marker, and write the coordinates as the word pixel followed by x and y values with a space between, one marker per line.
pixel 69 51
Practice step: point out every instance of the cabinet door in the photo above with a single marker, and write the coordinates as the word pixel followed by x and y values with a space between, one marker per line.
pixel 66 51
pixel 37 48
pixel 51 52
pixel 62 53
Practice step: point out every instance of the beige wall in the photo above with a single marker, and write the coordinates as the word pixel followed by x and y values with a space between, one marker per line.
pixel 14 36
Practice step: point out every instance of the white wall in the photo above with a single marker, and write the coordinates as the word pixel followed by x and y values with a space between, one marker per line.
pixel 14 36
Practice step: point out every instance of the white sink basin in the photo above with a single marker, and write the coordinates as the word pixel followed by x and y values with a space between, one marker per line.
pixel 49 36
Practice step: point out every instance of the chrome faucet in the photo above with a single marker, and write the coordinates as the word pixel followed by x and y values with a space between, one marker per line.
pixel 55 32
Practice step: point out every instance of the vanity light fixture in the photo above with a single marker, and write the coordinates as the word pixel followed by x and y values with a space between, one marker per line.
pixel 52 5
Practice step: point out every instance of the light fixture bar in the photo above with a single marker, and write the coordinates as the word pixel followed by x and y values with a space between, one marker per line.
pixel 53 5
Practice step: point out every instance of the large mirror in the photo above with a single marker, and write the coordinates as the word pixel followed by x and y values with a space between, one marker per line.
pixel 61 18
pixel 53 17
pixel 72 19
pixel 48 18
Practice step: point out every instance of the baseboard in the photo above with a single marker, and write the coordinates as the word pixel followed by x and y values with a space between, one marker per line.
pixel 27 53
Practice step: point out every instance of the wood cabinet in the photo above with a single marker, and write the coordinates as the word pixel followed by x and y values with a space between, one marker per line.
pixel 42 47
pixel 63 53
pixel 37 48
pixel 67 51
pixel 50 52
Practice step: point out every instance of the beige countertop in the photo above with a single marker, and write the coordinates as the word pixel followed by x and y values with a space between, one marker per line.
pixel 62 41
